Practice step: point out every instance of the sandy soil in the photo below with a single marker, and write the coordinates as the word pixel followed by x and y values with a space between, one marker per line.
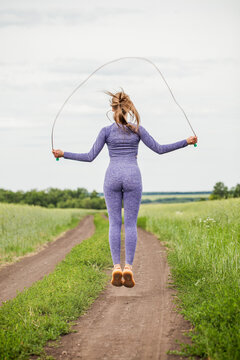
pixel 129 323
pixel 15 277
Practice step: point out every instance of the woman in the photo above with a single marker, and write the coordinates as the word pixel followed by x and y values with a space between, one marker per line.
pixel 123 180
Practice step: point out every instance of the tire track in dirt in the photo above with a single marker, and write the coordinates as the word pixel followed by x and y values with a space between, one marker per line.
pixel 129 323
pixel 15 277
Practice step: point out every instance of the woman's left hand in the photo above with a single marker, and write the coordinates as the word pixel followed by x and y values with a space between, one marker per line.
pixel 192 140
pixel 58 153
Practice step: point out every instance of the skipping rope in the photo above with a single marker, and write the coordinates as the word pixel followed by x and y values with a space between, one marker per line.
pixel 100 67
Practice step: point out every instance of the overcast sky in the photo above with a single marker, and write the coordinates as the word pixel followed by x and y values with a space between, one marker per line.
pixel 49 47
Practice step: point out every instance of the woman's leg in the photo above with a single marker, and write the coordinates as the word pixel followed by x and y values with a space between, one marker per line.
pixel 132 199
pixel 113 198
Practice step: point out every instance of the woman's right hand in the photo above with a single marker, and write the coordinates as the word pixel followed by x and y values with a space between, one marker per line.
pixel 58 153
pixel 192 140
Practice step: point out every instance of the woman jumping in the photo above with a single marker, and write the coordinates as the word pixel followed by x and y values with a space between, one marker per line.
pixel 123 181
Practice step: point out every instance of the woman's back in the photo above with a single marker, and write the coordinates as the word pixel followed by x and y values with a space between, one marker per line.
pixel 121 142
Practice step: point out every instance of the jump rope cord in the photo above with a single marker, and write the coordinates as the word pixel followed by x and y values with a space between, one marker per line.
pixel 110 62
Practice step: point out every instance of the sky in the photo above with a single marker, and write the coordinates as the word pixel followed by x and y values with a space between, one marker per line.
pixel 48 48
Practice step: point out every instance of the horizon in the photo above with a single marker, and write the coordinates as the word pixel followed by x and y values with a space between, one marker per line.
pixel 99 192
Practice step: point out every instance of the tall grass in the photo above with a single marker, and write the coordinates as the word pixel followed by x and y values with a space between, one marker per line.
pixel 204 254
pixel 50 306
pixel 24 228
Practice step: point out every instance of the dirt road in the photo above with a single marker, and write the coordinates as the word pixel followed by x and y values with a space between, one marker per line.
pixel 130 323
pixel 32 268
pixel 123 323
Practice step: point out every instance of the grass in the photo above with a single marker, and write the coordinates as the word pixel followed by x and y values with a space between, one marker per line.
pixel 49 307
pixel 204 254
pixel 24 228
pixel 164 196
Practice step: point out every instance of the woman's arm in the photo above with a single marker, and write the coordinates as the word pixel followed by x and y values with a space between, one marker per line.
pixel 91 155
pixel 150 142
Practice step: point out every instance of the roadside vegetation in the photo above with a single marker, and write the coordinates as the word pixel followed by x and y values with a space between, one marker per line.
pixel 49 307
pixel 24 228
pixel 203 240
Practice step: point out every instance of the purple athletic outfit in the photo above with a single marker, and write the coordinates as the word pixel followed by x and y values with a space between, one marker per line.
pixel 123 181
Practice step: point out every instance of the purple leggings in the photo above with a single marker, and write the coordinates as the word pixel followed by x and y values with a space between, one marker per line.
pixel 123 183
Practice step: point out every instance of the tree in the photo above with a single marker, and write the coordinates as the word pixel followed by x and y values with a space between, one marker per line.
pixel 94 194
pixel 236 192
pixel 220 191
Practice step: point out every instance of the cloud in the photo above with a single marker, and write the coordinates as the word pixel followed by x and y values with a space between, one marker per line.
pixel 57 16
pixel 175 67
pixel 15 123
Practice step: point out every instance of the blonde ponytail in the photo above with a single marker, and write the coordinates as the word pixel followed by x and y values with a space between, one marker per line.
pixel 122 106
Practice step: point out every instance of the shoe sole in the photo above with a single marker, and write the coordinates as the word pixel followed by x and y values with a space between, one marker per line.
pixel 128 279
pixel 117 278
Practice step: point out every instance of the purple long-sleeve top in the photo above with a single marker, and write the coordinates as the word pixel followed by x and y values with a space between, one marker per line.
pixel 123 144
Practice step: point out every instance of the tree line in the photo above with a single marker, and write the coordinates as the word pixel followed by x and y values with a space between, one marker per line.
pixel 55 198
pixel 81 198
pixel 220 191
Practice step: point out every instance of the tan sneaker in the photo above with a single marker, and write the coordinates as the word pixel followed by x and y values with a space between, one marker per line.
pixel 117 275
pixel 128 276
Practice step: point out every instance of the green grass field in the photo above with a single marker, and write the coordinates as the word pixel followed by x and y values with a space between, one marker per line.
pixel 24 228
pixel 164 196
pixel 172 198
pixel 203 239
pixel 203 242
pixel 49 307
